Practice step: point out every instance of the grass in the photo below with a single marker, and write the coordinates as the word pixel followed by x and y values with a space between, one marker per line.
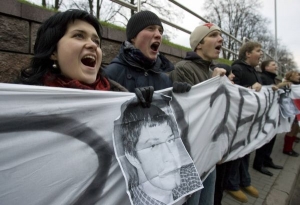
pixel 169 43
pixel 35 5
pixel 224 61
pixel 110 25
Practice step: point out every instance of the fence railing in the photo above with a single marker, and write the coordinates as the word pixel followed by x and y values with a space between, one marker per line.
pixel 239 42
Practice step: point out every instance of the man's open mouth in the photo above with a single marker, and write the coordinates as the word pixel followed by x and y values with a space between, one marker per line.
pixel 218 47
pixel 89 60
pixel 155 46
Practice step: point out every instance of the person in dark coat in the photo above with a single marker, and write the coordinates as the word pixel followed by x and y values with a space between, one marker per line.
pixel 245 75
pixel 139 62
pixel 263 154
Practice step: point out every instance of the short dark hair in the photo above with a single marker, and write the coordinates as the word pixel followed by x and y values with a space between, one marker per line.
pixel 264 64
pixel 247 47
pixel 134 117
pixel 48 35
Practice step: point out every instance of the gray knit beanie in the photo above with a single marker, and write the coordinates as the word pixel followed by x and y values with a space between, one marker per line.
pixel 139 21
pixel 200 33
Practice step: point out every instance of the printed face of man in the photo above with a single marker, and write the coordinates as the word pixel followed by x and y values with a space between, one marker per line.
pixel 158 154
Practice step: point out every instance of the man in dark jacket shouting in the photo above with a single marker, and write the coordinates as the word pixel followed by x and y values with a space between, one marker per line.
pixel 139 63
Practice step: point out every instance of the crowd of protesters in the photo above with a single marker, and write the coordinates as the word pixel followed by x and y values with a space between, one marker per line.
pixel 67 53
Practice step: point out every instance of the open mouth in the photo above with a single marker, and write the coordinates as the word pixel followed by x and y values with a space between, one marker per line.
pixel 155 46
pixel 218 47
pixel 89 60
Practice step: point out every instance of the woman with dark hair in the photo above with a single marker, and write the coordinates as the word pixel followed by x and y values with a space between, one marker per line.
pixel 67 53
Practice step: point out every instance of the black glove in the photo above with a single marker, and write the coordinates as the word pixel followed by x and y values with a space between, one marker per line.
pixel 179 87
pixel 144 95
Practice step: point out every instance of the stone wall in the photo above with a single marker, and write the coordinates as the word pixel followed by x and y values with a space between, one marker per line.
pixel 18 26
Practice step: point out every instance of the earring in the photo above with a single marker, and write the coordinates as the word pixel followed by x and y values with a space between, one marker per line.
pixel 54 65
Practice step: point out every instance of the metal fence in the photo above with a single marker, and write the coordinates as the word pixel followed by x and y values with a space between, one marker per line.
pixel 239 42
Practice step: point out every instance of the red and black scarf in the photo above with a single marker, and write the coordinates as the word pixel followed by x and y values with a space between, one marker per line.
pixel 53 80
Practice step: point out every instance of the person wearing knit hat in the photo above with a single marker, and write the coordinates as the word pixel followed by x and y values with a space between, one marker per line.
pixel 139 21
pixel 139 63
pixel 206 43
pixel 200 32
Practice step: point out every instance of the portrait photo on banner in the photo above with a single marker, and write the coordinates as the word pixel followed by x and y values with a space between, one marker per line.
pixel 155 163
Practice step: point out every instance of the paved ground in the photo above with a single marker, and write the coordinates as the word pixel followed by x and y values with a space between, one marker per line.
pixel 275 190
pixel 295 198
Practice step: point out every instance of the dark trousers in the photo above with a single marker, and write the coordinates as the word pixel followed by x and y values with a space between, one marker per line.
pixel 263 154
pixel 238 175
pixel 221 173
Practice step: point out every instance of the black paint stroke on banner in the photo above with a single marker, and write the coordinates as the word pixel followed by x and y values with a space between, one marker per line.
pixel 77 130
pixel 268 118
pixel 222 128
pixel 240 122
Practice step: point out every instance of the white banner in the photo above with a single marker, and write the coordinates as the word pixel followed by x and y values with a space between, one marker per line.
pixel 295 95
pixel 57 147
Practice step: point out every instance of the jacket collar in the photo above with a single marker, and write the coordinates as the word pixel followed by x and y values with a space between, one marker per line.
pixel 193 56
pixel 249 67
pixel 271 75
pixel 162 64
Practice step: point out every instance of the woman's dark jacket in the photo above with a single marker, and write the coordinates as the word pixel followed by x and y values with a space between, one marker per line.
pixel 130 74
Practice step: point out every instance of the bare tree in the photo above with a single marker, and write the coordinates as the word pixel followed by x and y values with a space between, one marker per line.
pixel 241 18
pixel 163 8
pixel 83 5
pixel 111 12
pixel 98 8
pixel 91 6
pixel 57 4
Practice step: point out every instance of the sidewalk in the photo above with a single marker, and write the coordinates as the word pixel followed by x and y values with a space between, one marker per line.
pixel 277 189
